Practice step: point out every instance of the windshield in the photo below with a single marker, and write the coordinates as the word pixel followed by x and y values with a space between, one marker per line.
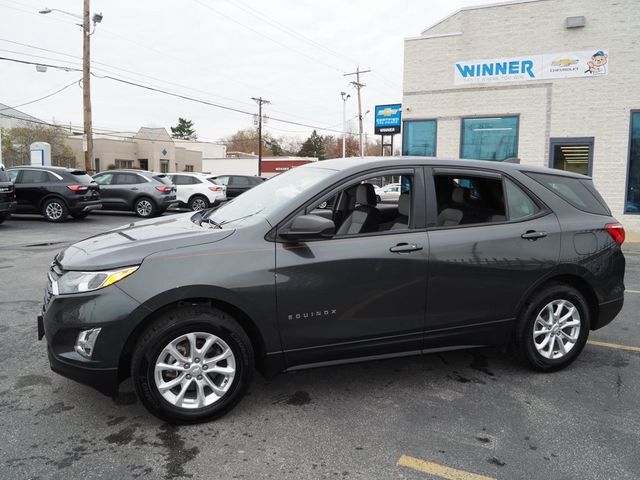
pixel 269 196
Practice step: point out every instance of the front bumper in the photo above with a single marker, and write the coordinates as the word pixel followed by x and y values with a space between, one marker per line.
pixel 7 207
pixel 65 316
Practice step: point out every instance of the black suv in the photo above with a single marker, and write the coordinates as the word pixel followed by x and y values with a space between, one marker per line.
pixel 145 193
pixel 55 192
pixel 237 184
pixel 471 254
pixel 7 195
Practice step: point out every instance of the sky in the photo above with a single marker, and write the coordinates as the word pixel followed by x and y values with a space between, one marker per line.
pixel 293 53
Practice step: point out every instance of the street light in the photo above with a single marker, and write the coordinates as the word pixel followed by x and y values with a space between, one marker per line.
pixel 344 96
pixel 86 74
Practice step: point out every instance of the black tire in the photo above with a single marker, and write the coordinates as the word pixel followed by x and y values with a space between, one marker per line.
pixel 80 215
pixel 3 217
pixel 170 326
pixel 378 199
pixel 55 210
pixel 145 207
pixel 524 344
pixel 198 202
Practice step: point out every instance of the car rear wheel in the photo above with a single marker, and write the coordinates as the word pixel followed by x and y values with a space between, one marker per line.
pixel 192 365
pixel 3 217
pixel 144 207
pixel 198 202
pixel 553 328
pixel 54 210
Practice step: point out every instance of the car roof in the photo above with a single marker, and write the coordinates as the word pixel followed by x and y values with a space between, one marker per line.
pixel 131 170
pixel 47 167
pixel 356 163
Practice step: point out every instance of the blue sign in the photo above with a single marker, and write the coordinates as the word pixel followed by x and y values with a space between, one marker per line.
pixel 388 119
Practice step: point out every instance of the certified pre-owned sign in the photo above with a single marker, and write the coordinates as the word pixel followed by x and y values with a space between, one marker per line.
pixel 585 63
pixel 388 119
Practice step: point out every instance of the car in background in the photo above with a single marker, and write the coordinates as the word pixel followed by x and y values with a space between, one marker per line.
pixel 237 184
pixel 389 193
pixel 145 193
pixel 54 192
pixel 197 191
pixel 7 195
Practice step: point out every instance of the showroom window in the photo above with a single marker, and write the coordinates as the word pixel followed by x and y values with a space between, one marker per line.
pixel 633 178
pixel 489 138
pixel 419 138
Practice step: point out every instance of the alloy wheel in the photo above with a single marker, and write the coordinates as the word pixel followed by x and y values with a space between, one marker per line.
pixel 198 204
pixel 556 329
pixel 54 211
pixel 194 370
pixel 144 208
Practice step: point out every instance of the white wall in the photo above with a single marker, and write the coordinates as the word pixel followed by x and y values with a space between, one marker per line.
pixel 230 166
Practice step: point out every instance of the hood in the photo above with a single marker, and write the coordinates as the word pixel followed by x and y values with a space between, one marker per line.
pixel 130 244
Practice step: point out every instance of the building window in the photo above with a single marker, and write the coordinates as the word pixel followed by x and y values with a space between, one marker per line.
pixel 164 166
pixel 489 138
pixel 188 168
pixel 632 204
pixel 419 138
pixel 124 163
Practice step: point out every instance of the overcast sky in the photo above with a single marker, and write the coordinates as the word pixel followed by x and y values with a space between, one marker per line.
pixel 292 52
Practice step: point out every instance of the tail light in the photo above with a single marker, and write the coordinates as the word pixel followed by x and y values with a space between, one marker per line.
pixel 216 188
pixel 164 189
pixel 78 188
pixel 616 231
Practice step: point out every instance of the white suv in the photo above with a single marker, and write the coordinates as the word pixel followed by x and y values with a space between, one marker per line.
pixel 196 191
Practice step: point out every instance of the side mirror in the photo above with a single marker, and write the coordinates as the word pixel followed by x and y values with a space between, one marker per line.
pixel 309 227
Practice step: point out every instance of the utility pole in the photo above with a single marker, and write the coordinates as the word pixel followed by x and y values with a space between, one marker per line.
pixel 86 86
pixel 345 97
pixel 260 101
pixel 359 85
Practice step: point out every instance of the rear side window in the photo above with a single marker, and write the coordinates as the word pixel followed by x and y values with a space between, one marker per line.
pixel 241 181
pixel 163 179
pixel 581 193
pixel 465 200
pixel 35 176
pixel 128 179
pixel 81 177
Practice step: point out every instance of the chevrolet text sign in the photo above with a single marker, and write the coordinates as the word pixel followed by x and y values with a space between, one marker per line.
pixel 587 63
pixel 388 119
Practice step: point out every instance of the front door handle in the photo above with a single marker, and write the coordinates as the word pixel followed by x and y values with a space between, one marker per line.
pixel 405 248
pixel 134 188
pixel 533 235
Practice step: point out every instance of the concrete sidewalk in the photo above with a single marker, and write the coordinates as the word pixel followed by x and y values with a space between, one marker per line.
pixel 632 242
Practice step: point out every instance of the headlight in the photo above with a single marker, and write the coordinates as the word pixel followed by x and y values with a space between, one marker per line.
pixel 77 282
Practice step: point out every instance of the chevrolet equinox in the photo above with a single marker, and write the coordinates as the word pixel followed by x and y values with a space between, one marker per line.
pixel 470 254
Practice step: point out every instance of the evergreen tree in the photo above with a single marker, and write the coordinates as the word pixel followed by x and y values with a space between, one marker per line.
pixel 184 130
pixel 313 147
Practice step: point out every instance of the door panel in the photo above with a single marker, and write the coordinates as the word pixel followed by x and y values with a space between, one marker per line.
pixel 351 297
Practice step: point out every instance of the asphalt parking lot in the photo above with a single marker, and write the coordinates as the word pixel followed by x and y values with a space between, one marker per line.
pixel 468 415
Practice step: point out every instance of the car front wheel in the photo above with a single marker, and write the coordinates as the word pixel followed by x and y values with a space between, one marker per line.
pixel 192 365
pixel 54 210
pixel 553 328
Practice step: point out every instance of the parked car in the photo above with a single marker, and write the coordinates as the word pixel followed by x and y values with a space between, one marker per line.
pixel 54 192
pixel 7 195
pixel 237 184
pixel 389 193
pixel 473 254
pixel 145 193
pixel 196 191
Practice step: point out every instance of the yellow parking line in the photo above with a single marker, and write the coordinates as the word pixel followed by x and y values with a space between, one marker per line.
pixel 613 345
pixel 632 291
pixel 439 470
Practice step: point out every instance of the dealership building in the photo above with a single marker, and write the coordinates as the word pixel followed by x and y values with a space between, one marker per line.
pixel 550 82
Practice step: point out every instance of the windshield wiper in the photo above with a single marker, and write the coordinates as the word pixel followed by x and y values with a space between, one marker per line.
pixel 240 218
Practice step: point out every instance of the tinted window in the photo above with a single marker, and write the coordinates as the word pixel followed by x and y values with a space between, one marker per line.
pixel 493 138
pixel 519 203
pixel 240 181
pixel 81 177
pixel 419 138
pixel 163 179
pixel 180 179
pixel 127 179
pixel 578 192
pixel 35 176
pixel 104 179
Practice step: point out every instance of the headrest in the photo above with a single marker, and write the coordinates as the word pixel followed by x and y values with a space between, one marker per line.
pixel 460 195
pixel 404 204
pixel 366 195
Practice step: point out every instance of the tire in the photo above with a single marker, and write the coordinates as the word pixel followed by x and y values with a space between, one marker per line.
pixel 378 199
pixel 80 215
pixel 198 202
pixel 537 315
pixel 144 207
pixel 55 210
pixel 3 217
pixel 170 328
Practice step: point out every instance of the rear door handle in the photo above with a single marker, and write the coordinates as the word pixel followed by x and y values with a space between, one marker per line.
pixel 533 235
pixel 405 248
pixel 134 188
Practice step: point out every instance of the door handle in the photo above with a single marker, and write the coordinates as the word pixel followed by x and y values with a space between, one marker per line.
pixel 134 188
pixel 533 235
pixel 405 248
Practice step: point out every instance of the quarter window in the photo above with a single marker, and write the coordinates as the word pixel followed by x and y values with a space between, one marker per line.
pixel 419 138
pixel 519 203
pixel 632 204
pixel 494 138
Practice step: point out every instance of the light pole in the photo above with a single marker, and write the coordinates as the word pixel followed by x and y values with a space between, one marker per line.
pixel 86 74
pixel 345 96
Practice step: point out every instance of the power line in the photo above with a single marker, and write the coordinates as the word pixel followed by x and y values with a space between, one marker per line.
pixel 41 98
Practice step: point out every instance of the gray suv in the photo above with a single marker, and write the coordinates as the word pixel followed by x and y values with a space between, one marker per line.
pixel 471 254
pixel 145 193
